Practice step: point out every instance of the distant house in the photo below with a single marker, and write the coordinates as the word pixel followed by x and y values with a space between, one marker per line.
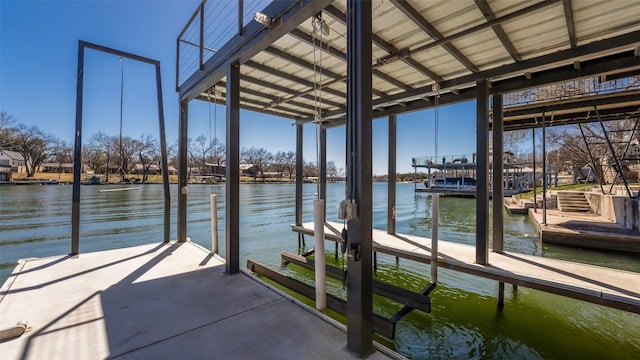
pixel 10 162
pixel 153 169
pixel 66 168
pixel 245 169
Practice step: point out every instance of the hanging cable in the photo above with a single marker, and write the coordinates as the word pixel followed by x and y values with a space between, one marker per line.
pixel 436 88
pixel 121 107
pixel 319 26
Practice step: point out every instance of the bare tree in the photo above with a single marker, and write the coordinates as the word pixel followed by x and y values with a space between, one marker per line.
pixel 148 154
pixel 62 152
pixel 259 158
pixel 218 153
pixel 199 152
pixel 34 146
pixel 310 169
pixel 93 156
pixel 332 170
pixel 107 146
pixel 279 163
pixel 7 130
pixel 290 163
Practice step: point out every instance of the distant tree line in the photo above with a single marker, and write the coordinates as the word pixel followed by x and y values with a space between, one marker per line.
pixel 117 156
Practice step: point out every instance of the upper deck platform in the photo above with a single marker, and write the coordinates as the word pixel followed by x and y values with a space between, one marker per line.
pixel 563 57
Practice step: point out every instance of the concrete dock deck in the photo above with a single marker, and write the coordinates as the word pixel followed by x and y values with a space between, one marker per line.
pixel 584 230
pixel 158 301
pixel 610 287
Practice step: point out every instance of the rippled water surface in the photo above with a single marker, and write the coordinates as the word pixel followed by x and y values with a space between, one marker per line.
pixel 464 324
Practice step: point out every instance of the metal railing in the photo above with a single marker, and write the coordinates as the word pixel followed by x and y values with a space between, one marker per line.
pixel 574 89
pixel 212 25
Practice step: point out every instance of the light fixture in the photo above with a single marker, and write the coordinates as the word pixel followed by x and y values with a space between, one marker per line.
pixel 263 19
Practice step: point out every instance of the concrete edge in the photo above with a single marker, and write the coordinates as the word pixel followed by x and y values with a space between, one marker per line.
pixel 335 323
pixel 12 278
pixel 206 251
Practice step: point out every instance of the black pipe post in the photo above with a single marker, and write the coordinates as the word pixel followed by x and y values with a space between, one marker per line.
pixel 241 17
pixel 232 264
pixel 498 175
pixel 535 195
pixel 163 159
pixel 299 171
pixel 482 182
pixel 182 171
pixel 201 50
pixel 323 168
pixel 77 155
pixel 544 170
pixel 391 175
pixel 359 186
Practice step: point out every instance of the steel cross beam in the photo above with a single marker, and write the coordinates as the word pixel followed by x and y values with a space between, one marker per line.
pixel 568 16
pixel 484 7
pixel 383 44
pixel 302 36
pixel 426 26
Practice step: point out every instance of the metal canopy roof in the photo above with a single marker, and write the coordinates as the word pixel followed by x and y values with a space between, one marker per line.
pixel 290 71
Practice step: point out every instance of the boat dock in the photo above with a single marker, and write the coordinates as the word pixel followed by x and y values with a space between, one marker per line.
pixel 171 301
pixel 609 287
pixel 584 230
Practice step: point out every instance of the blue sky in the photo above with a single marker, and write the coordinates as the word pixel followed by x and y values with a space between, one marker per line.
pixel 38 62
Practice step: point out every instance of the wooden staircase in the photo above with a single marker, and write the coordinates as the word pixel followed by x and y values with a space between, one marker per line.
pixel 573 201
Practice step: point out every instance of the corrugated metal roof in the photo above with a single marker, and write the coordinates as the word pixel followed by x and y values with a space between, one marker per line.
pixel 417 43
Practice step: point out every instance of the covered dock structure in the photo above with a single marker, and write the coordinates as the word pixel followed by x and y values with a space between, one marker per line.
pixel 347 62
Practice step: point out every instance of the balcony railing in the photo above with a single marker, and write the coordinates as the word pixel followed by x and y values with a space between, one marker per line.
pixel 581 88
pixel 209 28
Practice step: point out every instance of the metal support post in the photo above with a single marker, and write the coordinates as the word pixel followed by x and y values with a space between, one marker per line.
pixel 544 171
pixel 359 186
pixel 482 182
pixel 77 155
pixel 535 195
pixel 213 199
pixel 498 176
pixel 299 172
pixel 391 177
pixel 182 171
pixel 435 208
pixel 241 17
pixel 232 241
pixel 323 169
pixel 201 50
pixel 164 160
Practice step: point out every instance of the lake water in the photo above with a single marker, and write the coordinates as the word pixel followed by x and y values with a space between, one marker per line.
pixel 465 323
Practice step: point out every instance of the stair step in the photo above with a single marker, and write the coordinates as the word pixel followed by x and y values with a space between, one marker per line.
pixel 573 201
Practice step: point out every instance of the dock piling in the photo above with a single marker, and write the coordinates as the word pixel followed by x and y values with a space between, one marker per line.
pixel 435 205
pixel 320 272
pixel 214 223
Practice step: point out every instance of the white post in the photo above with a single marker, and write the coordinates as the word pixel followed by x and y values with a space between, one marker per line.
pixel 318 235
pixel 435 204
pixel 214 223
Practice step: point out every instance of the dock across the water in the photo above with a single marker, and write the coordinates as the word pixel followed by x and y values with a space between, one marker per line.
pixel 609 287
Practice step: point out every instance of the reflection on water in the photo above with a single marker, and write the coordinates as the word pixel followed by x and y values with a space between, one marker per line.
pixel 36 221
